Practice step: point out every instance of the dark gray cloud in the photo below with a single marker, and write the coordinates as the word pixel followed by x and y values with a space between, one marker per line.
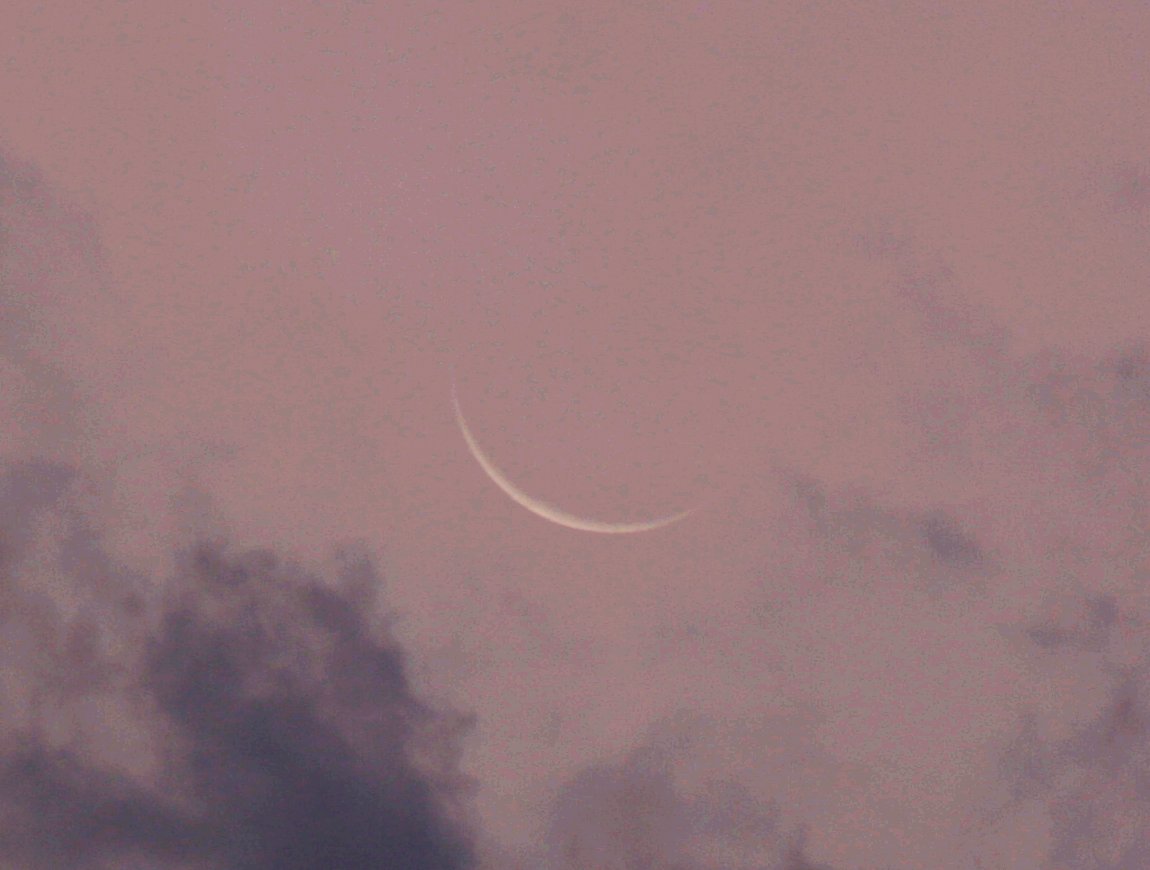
pixel 285 732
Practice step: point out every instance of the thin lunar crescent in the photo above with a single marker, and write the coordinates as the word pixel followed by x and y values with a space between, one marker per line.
pixel 541 508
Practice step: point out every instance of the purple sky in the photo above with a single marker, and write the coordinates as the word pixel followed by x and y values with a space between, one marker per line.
pixel 866 285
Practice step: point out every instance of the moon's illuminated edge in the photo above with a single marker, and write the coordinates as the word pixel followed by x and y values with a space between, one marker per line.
pixel 541 508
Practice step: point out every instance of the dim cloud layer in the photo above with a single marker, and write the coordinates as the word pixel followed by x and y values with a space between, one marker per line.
pixel 960 686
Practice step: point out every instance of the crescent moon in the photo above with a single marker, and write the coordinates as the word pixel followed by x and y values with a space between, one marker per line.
pixel 541 508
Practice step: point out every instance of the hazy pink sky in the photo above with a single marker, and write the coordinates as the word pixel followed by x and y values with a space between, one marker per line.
pixel 868 284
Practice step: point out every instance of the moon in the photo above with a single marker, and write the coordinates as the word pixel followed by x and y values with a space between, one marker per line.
pixel 544 509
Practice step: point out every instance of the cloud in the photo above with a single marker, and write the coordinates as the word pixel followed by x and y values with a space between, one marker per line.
pixel 283 729
pixel 949 542
pixel 633 815
pixel 228 709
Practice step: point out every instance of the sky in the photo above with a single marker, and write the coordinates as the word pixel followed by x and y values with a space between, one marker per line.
pixel 863 288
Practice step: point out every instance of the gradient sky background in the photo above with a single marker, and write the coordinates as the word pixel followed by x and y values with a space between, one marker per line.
pixel 867 283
